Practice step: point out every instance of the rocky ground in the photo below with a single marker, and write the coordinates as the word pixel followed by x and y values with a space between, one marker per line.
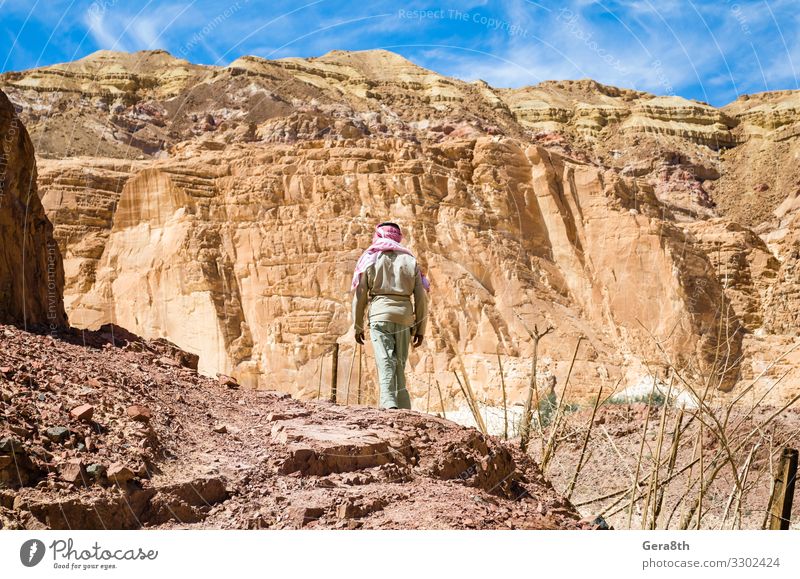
pixel 106 430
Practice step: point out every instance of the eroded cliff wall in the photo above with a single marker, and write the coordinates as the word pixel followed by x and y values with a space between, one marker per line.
pixel 31 272
pixel 244 255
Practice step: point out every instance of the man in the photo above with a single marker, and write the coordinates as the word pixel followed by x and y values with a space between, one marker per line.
pixel 386 277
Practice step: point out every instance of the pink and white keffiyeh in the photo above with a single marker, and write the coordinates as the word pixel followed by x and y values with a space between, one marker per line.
pixel 385 238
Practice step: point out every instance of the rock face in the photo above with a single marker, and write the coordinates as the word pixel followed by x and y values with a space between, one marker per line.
pixel 762 172
pixel 31 272
pixel 213 249
pixel 588 108
pixel 223 208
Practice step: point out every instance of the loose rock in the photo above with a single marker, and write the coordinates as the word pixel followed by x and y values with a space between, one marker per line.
pixel 73 472
pixel 120 473
pixel 82 412
pixel 139 413
pixel 228 381
pixel 10 444
pixel 57 433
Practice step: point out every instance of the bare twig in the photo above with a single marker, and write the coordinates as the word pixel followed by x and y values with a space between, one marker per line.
pixel 641 453
pixel 349 377
pixel 702 487
pixel 579 466
pixel 360 365
pixel 467 387
pixel 550 448
pixel 619 454
pixel 527 417
pixel 736 495
pixel 471 402
pixel 656 464
pixel 673 457
pixel 624 492
pixel 745 440
pixel 505 404
pixel 441 399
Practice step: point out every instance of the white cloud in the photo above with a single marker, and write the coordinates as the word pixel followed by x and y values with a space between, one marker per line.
pixel 104 30
pixel 499 70
pixel 145 31
pixel 153 25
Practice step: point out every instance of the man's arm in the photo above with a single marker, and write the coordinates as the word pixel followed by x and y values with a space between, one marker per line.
pixel 359 305
pixel 420 309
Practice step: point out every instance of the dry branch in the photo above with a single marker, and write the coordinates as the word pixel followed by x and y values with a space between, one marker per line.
pixel 551 443
pixel 579 466
pixel 533 390
pixel 505 404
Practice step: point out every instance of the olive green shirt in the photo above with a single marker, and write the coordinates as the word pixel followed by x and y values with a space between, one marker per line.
pixel 387 286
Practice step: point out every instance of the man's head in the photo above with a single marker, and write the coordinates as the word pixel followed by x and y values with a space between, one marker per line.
pixel 388 230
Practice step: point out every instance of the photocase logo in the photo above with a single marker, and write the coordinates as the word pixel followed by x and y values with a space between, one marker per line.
pixel 32 552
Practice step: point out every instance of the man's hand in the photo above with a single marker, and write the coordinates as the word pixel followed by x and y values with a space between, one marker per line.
pixel 360 337
pixel 417 340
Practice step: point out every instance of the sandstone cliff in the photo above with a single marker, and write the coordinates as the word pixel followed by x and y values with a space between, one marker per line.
pixel 31 272
pixel 243 256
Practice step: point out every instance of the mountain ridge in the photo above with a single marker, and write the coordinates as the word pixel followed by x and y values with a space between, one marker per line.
pixel 335 55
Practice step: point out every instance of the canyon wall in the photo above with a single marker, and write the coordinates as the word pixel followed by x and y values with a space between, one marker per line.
pixel 244 254
pixel 31 272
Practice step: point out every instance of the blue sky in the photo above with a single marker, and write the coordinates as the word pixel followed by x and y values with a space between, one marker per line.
pixel 707 50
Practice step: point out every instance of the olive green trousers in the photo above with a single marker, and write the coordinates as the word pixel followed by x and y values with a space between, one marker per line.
pixel 390 343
